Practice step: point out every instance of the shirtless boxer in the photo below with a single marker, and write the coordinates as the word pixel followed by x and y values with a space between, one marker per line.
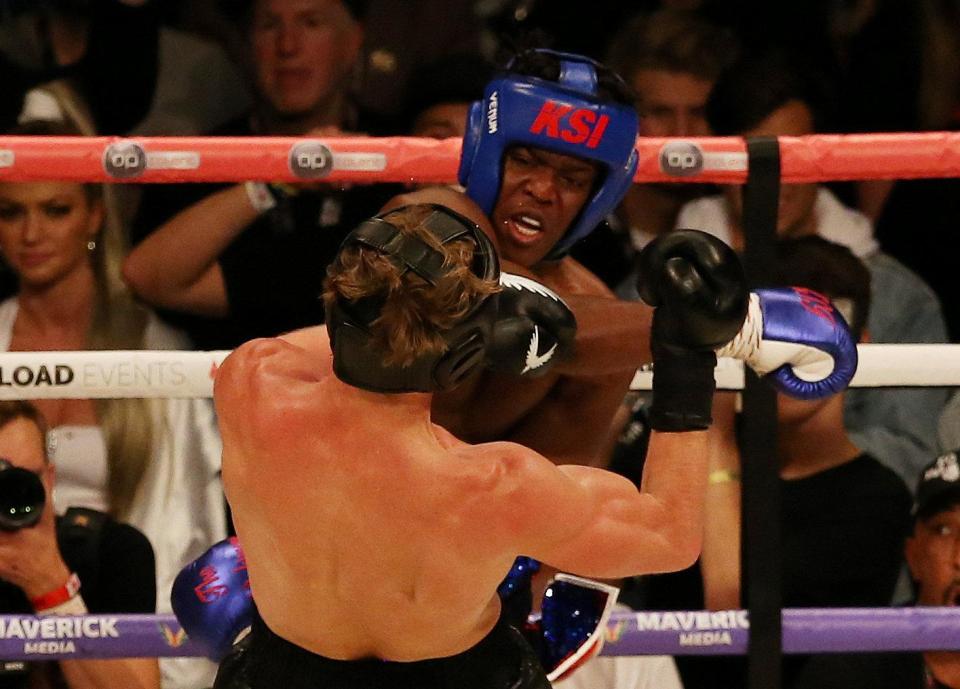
pixel 374 539
pixel 549 152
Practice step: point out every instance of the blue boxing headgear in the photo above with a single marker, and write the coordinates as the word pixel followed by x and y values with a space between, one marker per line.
pixel 357 358
pixel 566 116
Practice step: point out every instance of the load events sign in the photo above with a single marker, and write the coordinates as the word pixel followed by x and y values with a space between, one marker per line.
pixel 117 374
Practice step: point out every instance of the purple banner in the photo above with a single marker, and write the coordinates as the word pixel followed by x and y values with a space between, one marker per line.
pixel 700 632
pixel 805 630
pixel 24 637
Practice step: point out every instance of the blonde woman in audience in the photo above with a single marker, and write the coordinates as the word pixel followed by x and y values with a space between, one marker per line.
pixel 151 463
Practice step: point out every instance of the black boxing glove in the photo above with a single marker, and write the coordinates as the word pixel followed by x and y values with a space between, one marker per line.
pixel 696 285
pixel 533 330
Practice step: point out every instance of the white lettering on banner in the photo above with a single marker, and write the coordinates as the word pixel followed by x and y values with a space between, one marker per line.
pixel 706 639
pixel 28 628
pixel 49 647
pixel 7 157
pixel 130 374
pixel 689 621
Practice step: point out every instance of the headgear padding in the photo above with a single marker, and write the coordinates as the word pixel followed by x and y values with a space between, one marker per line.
pixel 359 360
pixel 566 116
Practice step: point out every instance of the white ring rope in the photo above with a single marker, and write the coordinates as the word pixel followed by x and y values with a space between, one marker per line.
pixel 108 374
pixel 879 366
pixel 161 374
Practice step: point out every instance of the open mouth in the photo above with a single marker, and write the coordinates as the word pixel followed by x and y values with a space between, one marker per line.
pixel 525 228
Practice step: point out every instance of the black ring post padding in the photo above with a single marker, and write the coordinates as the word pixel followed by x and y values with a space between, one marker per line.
pixel 761 550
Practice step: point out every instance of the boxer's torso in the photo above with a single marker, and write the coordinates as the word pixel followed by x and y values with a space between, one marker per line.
pixel 368 531
pixel 493 406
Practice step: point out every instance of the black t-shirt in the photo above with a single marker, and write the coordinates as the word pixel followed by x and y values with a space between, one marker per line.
pixel 273 271
pixel 117 575
pixel 116 76
pixel 866 671
pixel 843 531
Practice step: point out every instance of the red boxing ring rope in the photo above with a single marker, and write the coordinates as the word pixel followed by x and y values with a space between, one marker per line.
pixel 816 158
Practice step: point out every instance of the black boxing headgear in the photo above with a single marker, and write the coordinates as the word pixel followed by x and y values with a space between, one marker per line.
pixel 359 361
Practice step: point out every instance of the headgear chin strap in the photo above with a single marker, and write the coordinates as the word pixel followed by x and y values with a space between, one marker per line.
pixel 359 361
pixel 566 116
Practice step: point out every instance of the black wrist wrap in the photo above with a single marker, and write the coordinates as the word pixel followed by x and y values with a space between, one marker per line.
pixel 683 387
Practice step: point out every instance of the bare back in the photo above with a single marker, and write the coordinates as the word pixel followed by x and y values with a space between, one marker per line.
pixel 368 530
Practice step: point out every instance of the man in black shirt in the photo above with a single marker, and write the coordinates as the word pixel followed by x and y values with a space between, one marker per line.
pixel 844 514
pixel 71 565
pixel 933 555
pixel 252 256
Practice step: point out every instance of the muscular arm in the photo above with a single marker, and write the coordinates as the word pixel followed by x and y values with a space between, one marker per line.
pixel 176 266
pixel 620 531
pixel 720 561
pixel 572 424
pixel 613 336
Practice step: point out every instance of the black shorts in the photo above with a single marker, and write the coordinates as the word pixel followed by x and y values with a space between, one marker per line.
pixel 263 660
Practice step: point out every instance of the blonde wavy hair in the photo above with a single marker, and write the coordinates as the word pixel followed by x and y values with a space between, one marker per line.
pixel 414 314
pixel 119 321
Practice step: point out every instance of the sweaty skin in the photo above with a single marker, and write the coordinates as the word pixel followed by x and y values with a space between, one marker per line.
pixel 567 413
pixel 389 539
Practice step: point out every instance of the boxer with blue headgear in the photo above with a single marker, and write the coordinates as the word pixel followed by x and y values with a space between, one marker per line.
pixel 572 108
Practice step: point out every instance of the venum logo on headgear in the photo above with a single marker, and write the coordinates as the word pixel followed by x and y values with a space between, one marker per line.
pixel 681 159
pixel 124 159
pixel 492 113
pixel 573 125
pixel 310 160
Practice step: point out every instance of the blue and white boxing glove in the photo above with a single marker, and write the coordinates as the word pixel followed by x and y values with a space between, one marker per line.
pixel 798 340
pixel 573 620
pixel 211 598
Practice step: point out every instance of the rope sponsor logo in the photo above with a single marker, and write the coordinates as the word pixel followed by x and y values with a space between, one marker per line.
pixel 573 125
pixel 126 159
pixel 26 376
pixel 126 374
pixel 175 637
pixel 699 628
pixel 7 157
pixel 56 635
pixel 681 159
pixel 687 159
pixel 614 631
pixel 310 160
pixel 92 374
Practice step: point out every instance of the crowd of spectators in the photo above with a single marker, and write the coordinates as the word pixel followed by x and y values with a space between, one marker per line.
pixel 210 266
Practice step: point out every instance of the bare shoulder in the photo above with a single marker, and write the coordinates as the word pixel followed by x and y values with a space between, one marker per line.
pixel 265 360
pixel 445 196
pixel 455 200
pixel 569 276
pixel 510 466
